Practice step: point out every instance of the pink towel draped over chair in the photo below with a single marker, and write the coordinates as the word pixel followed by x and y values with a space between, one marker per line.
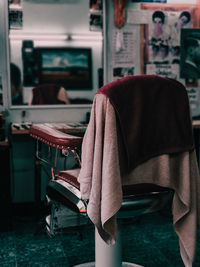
pixel 108 144
pixel 104 171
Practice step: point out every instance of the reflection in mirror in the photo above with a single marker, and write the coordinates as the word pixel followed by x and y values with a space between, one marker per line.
pixel 16 84
pixel 55 57
pixel 49 94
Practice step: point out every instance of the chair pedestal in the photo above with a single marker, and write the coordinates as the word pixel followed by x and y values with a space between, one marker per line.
pixel 107 256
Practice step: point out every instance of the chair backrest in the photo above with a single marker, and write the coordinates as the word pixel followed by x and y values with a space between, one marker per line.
pixel 153 114
pixel 48 94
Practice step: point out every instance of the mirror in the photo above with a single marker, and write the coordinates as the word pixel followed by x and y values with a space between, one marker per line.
pixel 55 51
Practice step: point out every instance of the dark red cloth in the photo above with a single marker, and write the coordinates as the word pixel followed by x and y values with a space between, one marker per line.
pixel 46 94
pixel 153 114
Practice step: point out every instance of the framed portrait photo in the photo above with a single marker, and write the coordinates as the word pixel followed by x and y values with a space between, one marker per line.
pixel 161 37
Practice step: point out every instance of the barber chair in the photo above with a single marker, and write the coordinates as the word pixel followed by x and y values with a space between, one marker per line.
pixel 64 190
pixel 48 94
pixel 63 193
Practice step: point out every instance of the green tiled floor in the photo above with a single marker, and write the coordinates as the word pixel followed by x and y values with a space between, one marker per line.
pixel 149 241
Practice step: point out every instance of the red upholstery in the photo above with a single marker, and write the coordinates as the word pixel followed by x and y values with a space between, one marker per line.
pixel 55 138
pixel 69 176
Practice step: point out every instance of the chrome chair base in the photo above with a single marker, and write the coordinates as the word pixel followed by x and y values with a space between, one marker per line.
pixel 124 264
pixel 106 255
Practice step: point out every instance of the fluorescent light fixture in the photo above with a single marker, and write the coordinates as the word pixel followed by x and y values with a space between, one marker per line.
pixel 55 37
pixel 88 37
pixel 32 36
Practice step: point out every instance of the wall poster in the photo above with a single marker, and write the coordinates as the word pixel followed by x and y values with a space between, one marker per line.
pixel 163 45
pixel 124 52
pixel 95 15
pixel 162 36
pixel 15 14
pixel 190 53
pixel 165 70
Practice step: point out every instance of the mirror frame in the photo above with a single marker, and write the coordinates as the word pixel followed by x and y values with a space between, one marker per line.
pixel 7 103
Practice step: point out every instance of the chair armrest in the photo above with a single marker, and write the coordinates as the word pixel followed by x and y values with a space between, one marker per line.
pixel 55 138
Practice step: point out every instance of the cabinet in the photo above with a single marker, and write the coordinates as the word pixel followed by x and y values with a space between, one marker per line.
pixel 5 190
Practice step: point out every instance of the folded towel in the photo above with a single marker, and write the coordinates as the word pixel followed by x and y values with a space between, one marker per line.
pixel 153 114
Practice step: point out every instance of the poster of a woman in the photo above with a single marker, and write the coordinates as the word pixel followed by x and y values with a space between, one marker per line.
pixel 163 34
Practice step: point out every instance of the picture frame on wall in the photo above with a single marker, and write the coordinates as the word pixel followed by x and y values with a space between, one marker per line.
pixel 15 4
pixel 15 19
pixel 95 21
pixel 190 53
pixel 95 15
pixel 120 72
pixel 95 5
pixel 15 14
pixel 161 37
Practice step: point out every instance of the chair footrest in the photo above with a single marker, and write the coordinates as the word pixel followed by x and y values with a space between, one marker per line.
pixel 65 193
pixel 61 218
